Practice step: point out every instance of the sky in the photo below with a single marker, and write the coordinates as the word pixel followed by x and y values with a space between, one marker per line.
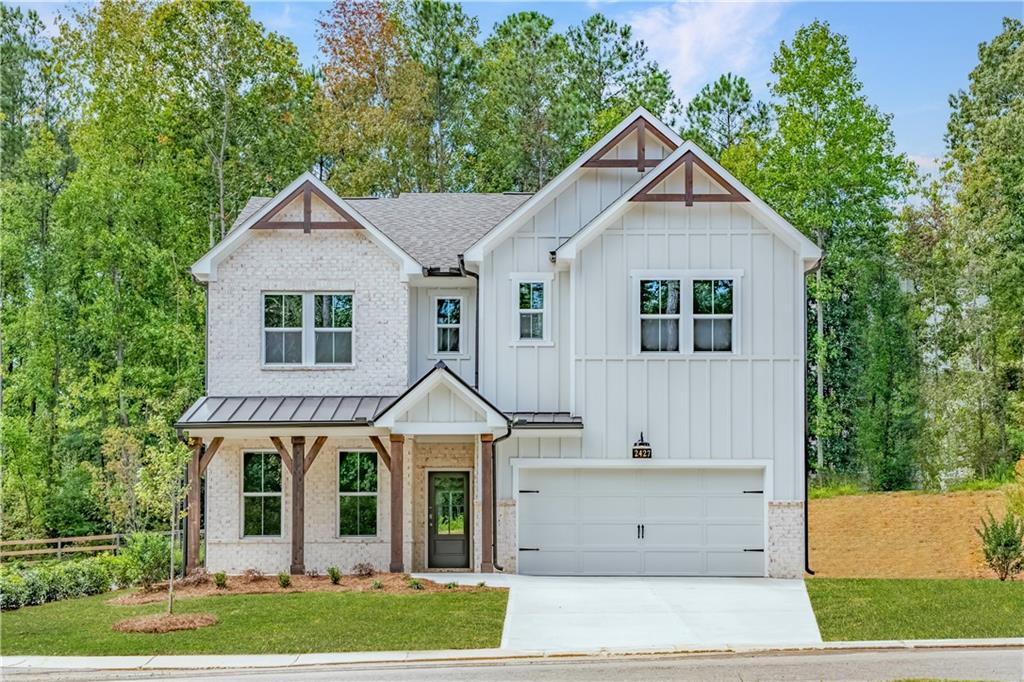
pixel 910 55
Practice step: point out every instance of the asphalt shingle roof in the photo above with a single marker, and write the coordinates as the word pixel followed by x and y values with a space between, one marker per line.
pixel 433 228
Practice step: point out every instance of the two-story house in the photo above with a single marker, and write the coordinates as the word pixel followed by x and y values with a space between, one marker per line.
pixel 604 377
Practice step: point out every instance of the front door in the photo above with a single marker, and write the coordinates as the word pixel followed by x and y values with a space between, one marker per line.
pixel 448 519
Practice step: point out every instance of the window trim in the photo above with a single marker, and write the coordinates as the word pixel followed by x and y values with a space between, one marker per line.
pixel 308 332
pixel 242 495
pixel 546 279
pixel 312 324
pixel 338 495
pixel 686 314
pixel 264 329
pixel 461 352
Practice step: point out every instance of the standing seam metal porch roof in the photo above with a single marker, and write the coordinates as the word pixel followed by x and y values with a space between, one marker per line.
pixel 236 411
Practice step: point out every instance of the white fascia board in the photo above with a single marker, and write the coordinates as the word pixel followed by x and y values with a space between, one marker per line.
pixel 205 269
pixel 807 249
pixel 492 418
pixel 530 207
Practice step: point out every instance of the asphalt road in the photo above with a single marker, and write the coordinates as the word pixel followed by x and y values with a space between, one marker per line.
pixel 944 664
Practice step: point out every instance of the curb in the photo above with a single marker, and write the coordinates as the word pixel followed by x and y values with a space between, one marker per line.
pixel 467 655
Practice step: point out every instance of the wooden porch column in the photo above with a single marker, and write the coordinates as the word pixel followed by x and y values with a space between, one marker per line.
pixel 397 520
pixel 298 505
pixel 487 513
pixel 192 526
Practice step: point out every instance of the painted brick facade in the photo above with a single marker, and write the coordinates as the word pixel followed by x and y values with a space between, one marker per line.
pixel 785 539
pixel 442 457
pixel 327 261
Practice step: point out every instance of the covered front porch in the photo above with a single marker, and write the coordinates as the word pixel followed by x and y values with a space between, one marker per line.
pixel 300 484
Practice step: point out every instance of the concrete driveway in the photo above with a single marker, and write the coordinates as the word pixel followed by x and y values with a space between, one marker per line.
pixel 586 613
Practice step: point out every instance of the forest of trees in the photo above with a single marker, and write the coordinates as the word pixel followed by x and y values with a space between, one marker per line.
pixel 133 135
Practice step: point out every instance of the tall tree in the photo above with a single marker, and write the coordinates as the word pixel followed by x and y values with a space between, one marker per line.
pixel 831 168
pixel 723 113
pixel 442 39
pixel 373 111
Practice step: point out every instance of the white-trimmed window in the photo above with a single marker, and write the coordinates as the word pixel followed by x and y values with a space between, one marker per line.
pixel 713 315
pixel 448 324
pixel 357 494
pixel 332 329
pixel 261 494
pixel 660 308
pixel 532 308
pixel 686 311
pixel 282 329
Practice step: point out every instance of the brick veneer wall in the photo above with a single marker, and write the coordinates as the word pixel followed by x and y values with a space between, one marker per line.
pixel 440 456
pixel 324 261
pixel 228 551
pixel 508 551
pixel 785 539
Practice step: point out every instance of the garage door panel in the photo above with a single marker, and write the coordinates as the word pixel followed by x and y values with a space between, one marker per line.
pixel 542 508
pixel 549 535
pixel 611 562
pixel 674 563
pixel 673 534
pixel 748 535
pixel 735 563
pixel 610 507
pixel 735 507
pixel 694 521
pixel 690 506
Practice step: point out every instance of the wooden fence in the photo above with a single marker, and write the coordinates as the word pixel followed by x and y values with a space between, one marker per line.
pixel 58 548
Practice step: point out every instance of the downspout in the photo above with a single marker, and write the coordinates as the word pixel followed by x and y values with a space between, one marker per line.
pixel 807 469
pixel 494 494
pixel 476 325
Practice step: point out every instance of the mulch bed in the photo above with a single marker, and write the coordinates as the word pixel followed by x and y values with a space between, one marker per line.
pixel 238 584
pixel 901 535
pixel 166 622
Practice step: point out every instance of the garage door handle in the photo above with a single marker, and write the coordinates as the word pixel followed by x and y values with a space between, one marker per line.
pixel 529 491
pixel 643 531
pixel 529 549
pixel 753 550
pixel 749 492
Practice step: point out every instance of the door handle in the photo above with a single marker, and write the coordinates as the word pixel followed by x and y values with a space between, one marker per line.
pixel 638 531
pixel 643 531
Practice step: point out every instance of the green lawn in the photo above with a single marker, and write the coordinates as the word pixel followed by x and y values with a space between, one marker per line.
pixel 268 623
pixel 853 609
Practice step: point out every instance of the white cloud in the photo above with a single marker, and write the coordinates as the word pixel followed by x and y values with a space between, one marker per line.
pixel 697 42
pixel 925 162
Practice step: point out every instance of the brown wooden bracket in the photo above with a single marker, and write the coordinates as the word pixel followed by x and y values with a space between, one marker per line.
pixel 641 162
pixel 306 190
pixel 382 451
pixel 207 457
pixel 286 456
pixel 688 161
pixel 313 452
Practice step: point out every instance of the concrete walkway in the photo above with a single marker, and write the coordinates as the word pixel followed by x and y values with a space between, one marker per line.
pixel 589 613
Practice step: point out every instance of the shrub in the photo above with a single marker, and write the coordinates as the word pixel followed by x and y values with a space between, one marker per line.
pixel 415 583
pixel 284 580
pixel 377 585
pixel 334 574
pixel 146 559
pixel 451 585
pixel 29 586
pixel 312 573
pixel 252 575
pixel 1003 544
pixel 12 591
pixel 363 570
pixel 481 584
pixel 200 576
pixel 220 579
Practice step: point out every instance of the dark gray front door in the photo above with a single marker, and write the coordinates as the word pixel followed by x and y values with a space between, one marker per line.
pixel 448 519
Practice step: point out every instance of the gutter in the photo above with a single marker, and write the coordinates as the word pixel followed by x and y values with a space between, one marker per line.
pixel 494 494
pixel 476 324
pixel 807 472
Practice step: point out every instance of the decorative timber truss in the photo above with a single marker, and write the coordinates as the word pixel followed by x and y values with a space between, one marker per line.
pixel 688 161
pixel 641 162
pixel 306 191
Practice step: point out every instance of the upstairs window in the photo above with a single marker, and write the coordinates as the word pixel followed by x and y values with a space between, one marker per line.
pixel 448 325
pixel 261 494
pixel 659 315
pixel 282 329
pixel 332 329
pixel 357 493
pixel 532 300
pixel 712 315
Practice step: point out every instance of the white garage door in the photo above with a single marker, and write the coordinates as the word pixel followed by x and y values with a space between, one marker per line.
pixel 641 521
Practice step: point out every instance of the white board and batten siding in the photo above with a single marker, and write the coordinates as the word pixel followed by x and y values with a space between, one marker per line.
pixel 423 353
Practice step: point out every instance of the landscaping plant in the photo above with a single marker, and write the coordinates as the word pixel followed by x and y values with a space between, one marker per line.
pixel 220 579
pixel 1003 544
pixel 284 580
pixel 363 570
pixel 46 582
pixel 377 585
pixel 415 583
pixel 145 559
pixel 334 574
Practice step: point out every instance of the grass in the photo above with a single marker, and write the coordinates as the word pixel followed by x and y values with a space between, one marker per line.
pixel 838 489
pixel 306 622
pixel 874 609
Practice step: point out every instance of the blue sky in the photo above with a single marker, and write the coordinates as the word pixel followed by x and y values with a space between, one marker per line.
pixel 911 56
